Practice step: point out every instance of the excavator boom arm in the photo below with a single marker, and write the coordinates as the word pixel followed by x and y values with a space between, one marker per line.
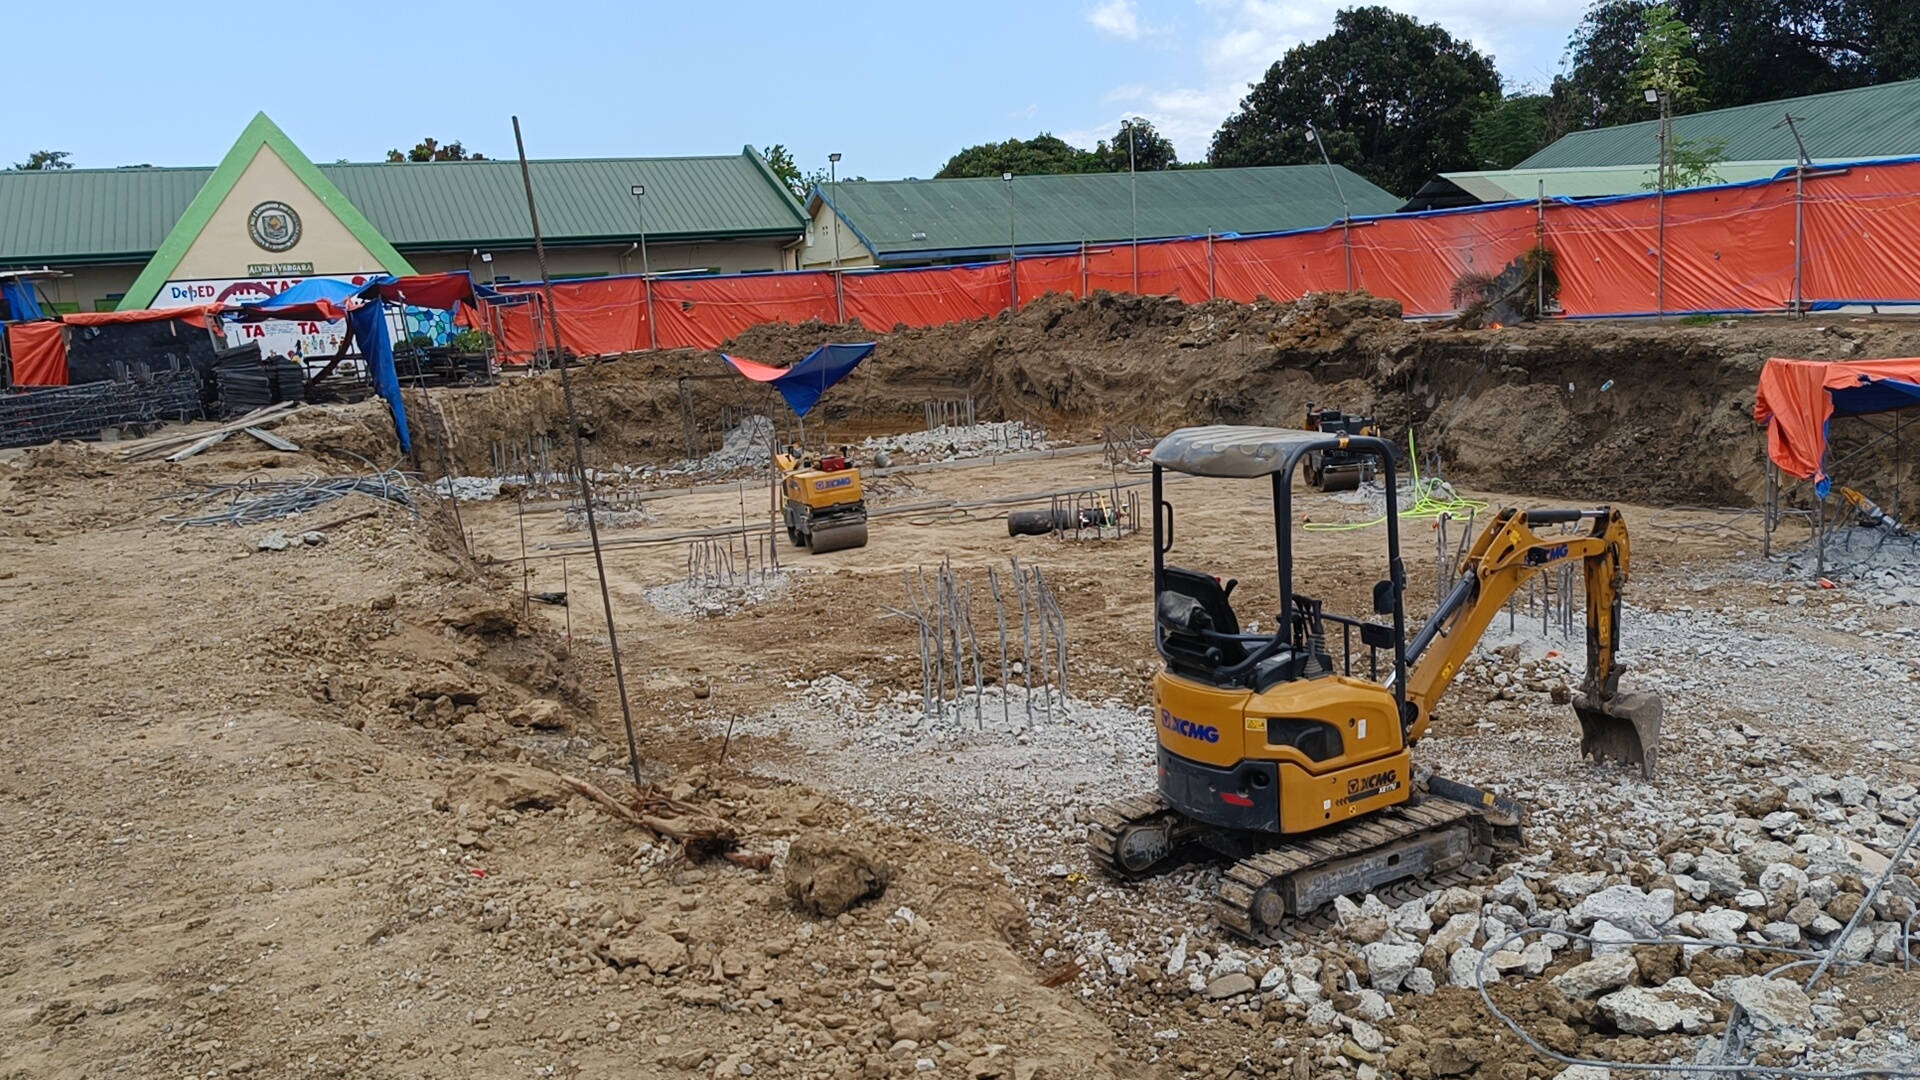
pixel 1506 554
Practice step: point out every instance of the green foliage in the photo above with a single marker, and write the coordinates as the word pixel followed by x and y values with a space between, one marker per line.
pixel 1152 151
pixel 1691 163
pixel 469 340
pixel 1041 155
pixel 1665 60
pixel 1511 131
pixel 780 160
pixel 1394 98
pixel 1738 51
pixel 1701 320
pixel 45 161
pixel 431 150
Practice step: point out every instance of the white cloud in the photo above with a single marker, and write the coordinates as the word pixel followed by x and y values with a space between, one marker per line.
pixel 1118 18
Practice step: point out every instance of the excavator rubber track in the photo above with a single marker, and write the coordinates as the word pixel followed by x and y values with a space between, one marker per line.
pixel 1286 889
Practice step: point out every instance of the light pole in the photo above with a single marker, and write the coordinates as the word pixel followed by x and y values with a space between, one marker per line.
pixel 1013 270
pixel 833 196
pixel 1346 215
pixel 646 268
pixel 1133 198
pixel 1665 177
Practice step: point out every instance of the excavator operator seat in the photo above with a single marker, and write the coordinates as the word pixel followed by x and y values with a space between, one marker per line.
pixel 1200 624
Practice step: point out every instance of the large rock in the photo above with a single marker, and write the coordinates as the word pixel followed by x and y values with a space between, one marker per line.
pixel 1641 913
pixel 649 949
pixel 1776 1005
pixel 1721 871
pixel 1602 973
pixel 1677 1005
pixel 1755 860
pixel 1575 886
pixel 515 787
pixel 1584 1072
pixel 1453 1057
pixel 1461 931
pixel 1388 965
pixel 826 875
pixel 1229 986
pixel 1462 965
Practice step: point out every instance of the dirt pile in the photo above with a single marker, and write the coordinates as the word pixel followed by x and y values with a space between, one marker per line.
pixel 298 813
pixel 1592 411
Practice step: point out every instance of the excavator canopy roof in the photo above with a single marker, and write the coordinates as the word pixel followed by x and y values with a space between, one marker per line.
pixel 1237 453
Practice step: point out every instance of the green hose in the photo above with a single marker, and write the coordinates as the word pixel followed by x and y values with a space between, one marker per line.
pixel 1428 501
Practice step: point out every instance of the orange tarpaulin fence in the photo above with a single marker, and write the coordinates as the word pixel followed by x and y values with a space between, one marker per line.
pixel 39 351
pixel 1722 249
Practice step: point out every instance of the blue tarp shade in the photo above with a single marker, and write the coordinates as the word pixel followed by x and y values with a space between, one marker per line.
pixel 803 383
pixel 310 291
pixel 22 305
pixel 369 325
pixel 1871 396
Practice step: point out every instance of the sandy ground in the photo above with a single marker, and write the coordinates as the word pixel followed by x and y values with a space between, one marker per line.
pixel 295 813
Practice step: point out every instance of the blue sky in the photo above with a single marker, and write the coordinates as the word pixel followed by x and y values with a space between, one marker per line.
pixel 896 87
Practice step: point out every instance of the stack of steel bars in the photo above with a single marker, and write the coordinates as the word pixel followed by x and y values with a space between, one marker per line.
pixel 77 412
pixel 254 501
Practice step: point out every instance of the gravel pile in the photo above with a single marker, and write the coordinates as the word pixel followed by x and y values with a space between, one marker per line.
pixel 953 443
pixel 686 600
pixel 1762 828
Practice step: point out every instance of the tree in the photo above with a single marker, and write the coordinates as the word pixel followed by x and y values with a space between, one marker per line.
pixel 45 161
pixel 1511 131
pixel 430 150
pixel 1746 51
pixel 1392 97
pixel 1597 89
pixel 1152 151
pixel 780 160
pixel 1041 154
pixel 1665 60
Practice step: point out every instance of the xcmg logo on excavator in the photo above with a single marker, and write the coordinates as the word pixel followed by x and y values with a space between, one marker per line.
pixel 1189 729
pixel 832 482
pixel 1366 787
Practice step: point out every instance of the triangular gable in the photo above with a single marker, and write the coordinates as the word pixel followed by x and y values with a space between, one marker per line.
pixel 261 136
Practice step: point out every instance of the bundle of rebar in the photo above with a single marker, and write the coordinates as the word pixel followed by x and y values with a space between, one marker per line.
pixel 952 664
pixel 77 412
pixel 249 381
pixel 253 501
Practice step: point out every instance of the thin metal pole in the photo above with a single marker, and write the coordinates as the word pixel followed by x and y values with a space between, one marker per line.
pixel 1013 272
pixel 1211 293
pixel 646 271
pixel 1540 253
pixel 839 289
pixel 1799 233
pixel 1083 269
pixel 580 462
pixel 1133 196
pixel 1666 138
pixel 1346 213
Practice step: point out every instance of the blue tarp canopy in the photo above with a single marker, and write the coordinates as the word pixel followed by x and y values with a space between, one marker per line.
pixel 803 383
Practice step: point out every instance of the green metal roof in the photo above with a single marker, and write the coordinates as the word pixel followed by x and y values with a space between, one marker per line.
pixel 1510 184
pixel 904 219
pixel 123 215
pixel 1844 125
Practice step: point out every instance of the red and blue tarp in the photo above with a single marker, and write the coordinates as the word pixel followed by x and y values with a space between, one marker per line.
pixel 1797 399
pixel 803 383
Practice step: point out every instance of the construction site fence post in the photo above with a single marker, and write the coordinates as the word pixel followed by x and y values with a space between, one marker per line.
pixel 1211 293
pixel 1799 234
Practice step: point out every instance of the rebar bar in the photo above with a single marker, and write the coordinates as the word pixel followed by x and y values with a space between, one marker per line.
pixel 253 501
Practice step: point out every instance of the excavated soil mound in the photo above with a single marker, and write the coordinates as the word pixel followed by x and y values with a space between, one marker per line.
pixel 1593 411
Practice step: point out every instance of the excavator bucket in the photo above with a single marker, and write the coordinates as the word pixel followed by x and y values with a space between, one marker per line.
pixel 1623 728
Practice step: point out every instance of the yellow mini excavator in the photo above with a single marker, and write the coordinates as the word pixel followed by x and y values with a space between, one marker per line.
pixel 1297 762
pixel 823 502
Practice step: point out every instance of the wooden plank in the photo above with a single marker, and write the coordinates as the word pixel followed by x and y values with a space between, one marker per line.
pixel 271 439
pixel 218 436
pixel 156 447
